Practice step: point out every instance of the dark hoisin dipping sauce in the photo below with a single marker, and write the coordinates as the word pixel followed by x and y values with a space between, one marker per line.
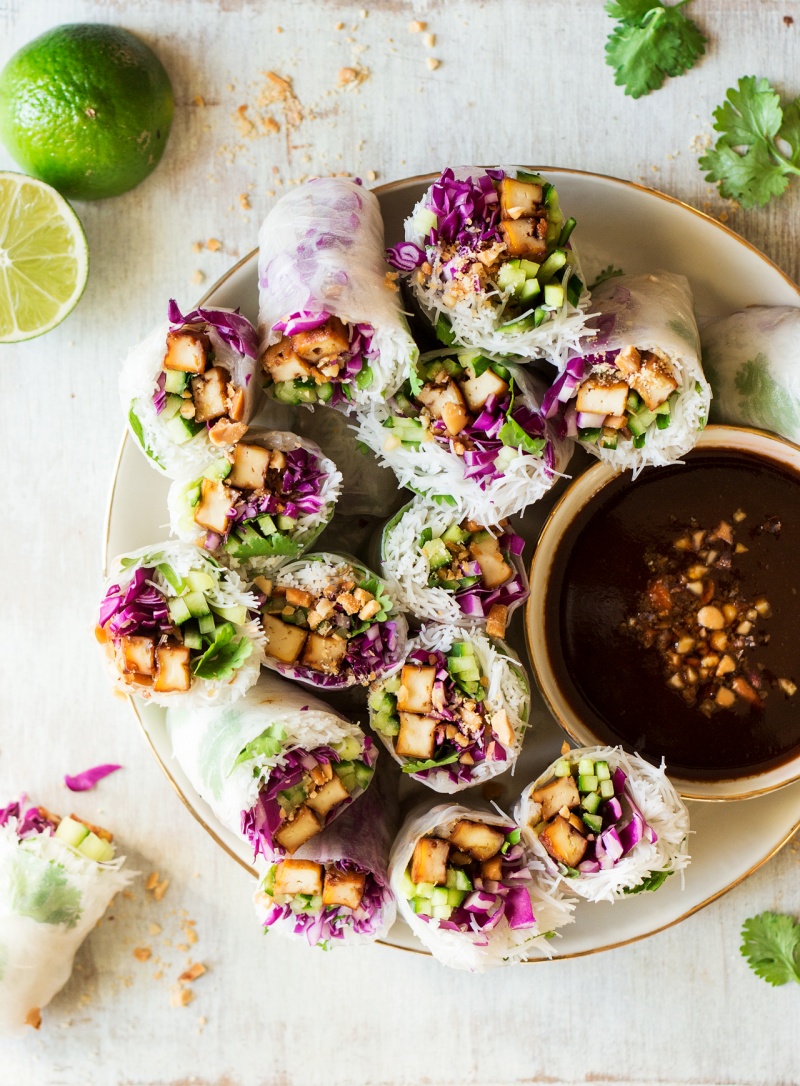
pixel 672 615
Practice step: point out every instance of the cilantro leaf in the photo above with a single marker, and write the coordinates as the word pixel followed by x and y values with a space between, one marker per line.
pixel 651 42
pixel 223 657
pixel 652 882
pixel 431 763
pixel 771 945
pixel 609 272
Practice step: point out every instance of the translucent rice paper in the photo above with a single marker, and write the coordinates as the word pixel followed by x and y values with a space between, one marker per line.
pixel 659 803
pixel 508 689
pixel 752 359
pixel 463 950
pixel 229 591
pixel 207 743
pixel 138 383
pixel 438 472
pixel 321 250
pixel 653 312
pixel 309 525
pixel 51 897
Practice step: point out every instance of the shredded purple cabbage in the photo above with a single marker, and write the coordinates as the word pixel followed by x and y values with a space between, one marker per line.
pixel 30 820
pixel 139 606
pixel 369 655
pixel 556 402
pixel 232 328
pixel 360 352
pixel 84 782
pixel 160 394
pixel 478 601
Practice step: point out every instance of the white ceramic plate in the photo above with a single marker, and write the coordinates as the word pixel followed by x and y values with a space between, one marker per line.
pixel 638 230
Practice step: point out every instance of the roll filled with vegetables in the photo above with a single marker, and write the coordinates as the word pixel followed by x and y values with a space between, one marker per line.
pixel 264 501
pixel 57 878
pixel 449 569
pixel 752 359
pixel 488 257
pixel 468 888
pixel 177 626
pixel 330 622
pixel 334 891
pixel 277 767
pixel 607 822
pixel 456 713
pixel 190 388
pixel 635 394
pixel 467 430
pixel 330 322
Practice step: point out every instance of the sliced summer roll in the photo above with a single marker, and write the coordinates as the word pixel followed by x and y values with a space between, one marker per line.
pixel 334 891
pixel 177 626
pixel 467 430
pixel 261 503
pixel 635 395
pixel 330 322
pixel 607 822
pixel 331 622
pixel 277 767
pixel 470 891
pixel 190 388
pixel 456 713
pixel 488 258
pixel 57 878
pixel 448 569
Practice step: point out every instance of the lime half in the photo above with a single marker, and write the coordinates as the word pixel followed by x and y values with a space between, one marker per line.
pixel 44 259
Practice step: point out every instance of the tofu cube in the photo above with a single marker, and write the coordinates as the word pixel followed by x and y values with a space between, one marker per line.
pixel 518 199
pixel 564 843
pixel 521 239
pixel 497 620
pixel 628 360
pixel 493 869
pixel 561 792
pixel 225 432
pixel 602 396
pixel 211 512
pixel 495 570
pixel 435 397
pixel 298 597
pixel 283 642
pixel 455 418
pixel 298 877
pixel 282 364
pixel 137 655
pixel 250 466
pixel 429 862
pixel 343 887
pixel 172 669
pixel 324 653
pixel 478 840
pixel 302 828
pixel 477 390
pixel 322 344
pixel 655 382
pixel 416 689
pixel 501 728
pixel 236 407
pixel 187 351
pixel 417 736
pixel 330 795
pixel 210 394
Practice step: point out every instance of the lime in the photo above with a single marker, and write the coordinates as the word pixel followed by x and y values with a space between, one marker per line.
pixel 44 259
pixel 86 108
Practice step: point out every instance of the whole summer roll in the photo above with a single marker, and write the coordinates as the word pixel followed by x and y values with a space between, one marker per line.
pixel 606 822
pixel 752 359
pixel 57 878
pixel 176 626
pixel 489 260
pixel 259 504
pixel 467 886
pixel 456 714
pixel 635 394
pixel 190 388
pixel 330 322
pixel 277 767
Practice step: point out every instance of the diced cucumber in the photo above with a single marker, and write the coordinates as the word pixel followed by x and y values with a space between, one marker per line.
pixel 574 290
pixel 421 905
pixel 286 524
pixel 663 421
pixel 363 772
pixel 170 576
pixel 455 897
pixel 193 495
pixel 175 381
pixel 601 771
pixel 585 767
pixel 555 262
pixel 178 610
pixel 462 880
pixel 591 802
pixel 392 685
pixel 529 290
pixel 634 402
pixel 593 821
pixel 199 582
pixel 236 614
pixel 639 440
pixel 379 701
pixel 461 648
pixel 71 832
pixel 406 885
pixel 220 469
pixel 181 430
pixel 589 434
pixel 424 221
pixel 608 438
pixel 461 665
pixel 172 406
pixel 95 848
pixel 287 392
pixel 192 638
pixel 197 604
pixel 530 268
pixel 455 534
pixel 425 889
pixel 386 722
pixel 526 178
pixel 638 423
pixel 607 789
pixel 441 912
pixel 436 553
pixel 566 231
pixel 325 390
pixel 266 524
pixel 348 748
pixel 562 768
pixel 206 625
pixel 439 896
pixel 444 330
pixel 587 783
pixel 510 278
pixel 554 295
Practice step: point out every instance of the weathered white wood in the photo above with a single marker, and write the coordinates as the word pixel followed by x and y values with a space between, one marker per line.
pixel 520 80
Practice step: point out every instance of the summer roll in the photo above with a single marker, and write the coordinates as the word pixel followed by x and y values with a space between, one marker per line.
pixel 177 626
pixel 259 504
pixel 57 878
pixel 277 767
pixel 456 713
pixel 330 323
pixel 190 388
pixel 488 258
pixel 635 393
pixel 607 822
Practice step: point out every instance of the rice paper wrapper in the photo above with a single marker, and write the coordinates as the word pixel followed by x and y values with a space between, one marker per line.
pixel 660 806
pixel 138 383
pixel 478 951
pixel 321 250
pixel 208 742
pixel 752 359
pixel 51 898
pixel 309 525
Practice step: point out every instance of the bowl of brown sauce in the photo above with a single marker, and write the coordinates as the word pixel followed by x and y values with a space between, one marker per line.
pixel 664 613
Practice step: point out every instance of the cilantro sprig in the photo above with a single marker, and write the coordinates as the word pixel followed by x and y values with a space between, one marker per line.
pixel 771 946
pixel 652 41
pixel 609 272
pixel 758 149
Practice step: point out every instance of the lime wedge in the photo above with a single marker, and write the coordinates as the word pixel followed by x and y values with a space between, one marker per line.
pixel 44 259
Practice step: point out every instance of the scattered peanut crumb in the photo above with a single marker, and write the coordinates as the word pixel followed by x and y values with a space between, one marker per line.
pixel 160 890
pixel 195 970
pixel 244 201
pixel 159 973
pixel 433 63
pixel 278 29
pixel 199 100
pixel 214 245
pixel 269 124
pixel 127 895
pixel 198 276
pixel 372 175
pixel 347 75
pixel 181 997
pixel 152 881
pixel 142 953
pixel 430 41
pixel 339 26
pixel 197 246
pixel 788 20
pixel 33 1018
pixel 283 85
pixel 155 929
pixel 416 26
pixel 201 1022
pixel 183 948
pixel 242 121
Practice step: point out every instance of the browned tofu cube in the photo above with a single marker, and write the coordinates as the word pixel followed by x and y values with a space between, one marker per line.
pixel 602 396
pixel 497 620
pixel 330 795
pixel 493 869
pixel 476 839
pixel 429 862
pixel 628 360
pixel 454 417
pixel 283 642
pixel 521 239
pixel 211 512
pixel 281 362
pixel 495 570
pixel 416 737
pixel 518 199
pixel 137 654
pixel 250 466
pixel 434 397
pixel 172 669
pixel 416 689
pixel 477 390
pixel 563 842
pixel 298 597
pixel 322 344
pixel 187 351
pixel 561 792
pixel 324 653
pixel 655 382
pixel 302 828
pixel 343 887
pixel 236 406
pixel 210 394
pixel 501 728
pixel 298 877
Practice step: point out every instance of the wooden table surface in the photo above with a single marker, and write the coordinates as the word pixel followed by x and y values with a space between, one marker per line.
pixel 517 80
